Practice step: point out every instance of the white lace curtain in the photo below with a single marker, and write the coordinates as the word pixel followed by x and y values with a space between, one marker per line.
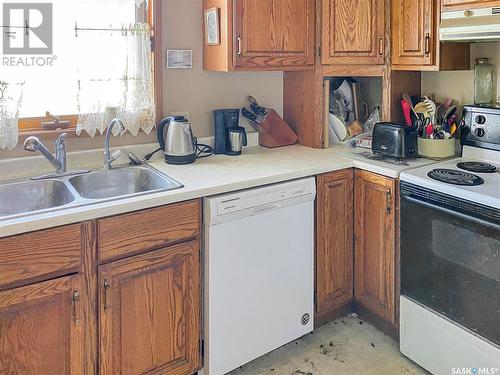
pixel 11 94
pixel 115 79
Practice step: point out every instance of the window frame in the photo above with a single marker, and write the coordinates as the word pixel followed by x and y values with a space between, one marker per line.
pixel 33 125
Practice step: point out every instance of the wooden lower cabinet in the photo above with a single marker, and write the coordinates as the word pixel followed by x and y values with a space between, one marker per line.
pixel 374 243
pixel 334 241
pixel 40 328
pixel 149 313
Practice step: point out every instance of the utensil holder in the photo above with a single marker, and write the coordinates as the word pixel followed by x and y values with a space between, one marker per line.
pixel 436 148
pixel 275 132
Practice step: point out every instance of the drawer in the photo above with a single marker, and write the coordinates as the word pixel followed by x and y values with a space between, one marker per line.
pixel 140 231
pixel 40 255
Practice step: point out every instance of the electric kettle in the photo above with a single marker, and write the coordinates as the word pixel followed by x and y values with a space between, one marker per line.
pixel 176 140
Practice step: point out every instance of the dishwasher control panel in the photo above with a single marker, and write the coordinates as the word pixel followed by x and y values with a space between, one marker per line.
pixel 258 200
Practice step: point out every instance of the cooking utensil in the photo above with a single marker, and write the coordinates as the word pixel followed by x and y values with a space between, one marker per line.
pixel 429 131
pixel 432 108
pixel 449 113
pixel 407 98
pixel 423 109
pixel 406 112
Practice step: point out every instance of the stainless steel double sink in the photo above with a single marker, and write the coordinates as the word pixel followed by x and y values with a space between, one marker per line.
pixel 30 197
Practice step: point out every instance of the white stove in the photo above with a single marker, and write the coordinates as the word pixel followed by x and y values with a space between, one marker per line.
pixel 478 186
pixel 450 255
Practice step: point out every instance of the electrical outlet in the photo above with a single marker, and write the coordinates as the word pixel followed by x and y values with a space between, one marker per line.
pixel 185 114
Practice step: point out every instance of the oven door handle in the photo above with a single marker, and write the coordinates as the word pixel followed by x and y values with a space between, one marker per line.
pixel 453 213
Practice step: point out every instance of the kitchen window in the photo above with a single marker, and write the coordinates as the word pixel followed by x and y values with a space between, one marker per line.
pixel 101 65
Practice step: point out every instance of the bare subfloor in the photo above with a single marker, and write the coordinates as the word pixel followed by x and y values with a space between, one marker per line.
pixel 346 346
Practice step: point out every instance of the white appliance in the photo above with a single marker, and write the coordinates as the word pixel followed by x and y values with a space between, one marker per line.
pixel 259 272
pixel 470 25
pixel 450 255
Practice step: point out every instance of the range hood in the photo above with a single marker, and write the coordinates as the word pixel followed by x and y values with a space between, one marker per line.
pixel 470 25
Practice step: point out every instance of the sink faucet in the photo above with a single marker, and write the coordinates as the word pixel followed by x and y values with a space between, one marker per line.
pixel 33 144
pixel 108 158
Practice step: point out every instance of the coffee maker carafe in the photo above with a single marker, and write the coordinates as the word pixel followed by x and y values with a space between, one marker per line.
pixel 229 136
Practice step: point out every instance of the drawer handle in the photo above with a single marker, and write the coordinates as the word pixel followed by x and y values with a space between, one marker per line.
pixel 381 46
pixel 388 201
pixel 76 310
pixel 427 44
pixel 107 285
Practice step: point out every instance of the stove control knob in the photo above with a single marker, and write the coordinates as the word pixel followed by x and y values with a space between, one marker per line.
pixel 479 132
pixel 480 119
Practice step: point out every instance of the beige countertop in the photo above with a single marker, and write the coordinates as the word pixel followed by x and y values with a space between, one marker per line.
pixel 209 176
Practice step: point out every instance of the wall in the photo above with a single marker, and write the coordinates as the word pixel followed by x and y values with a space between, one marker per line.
pixel 200 92
pixel 191 90
pixel 459 85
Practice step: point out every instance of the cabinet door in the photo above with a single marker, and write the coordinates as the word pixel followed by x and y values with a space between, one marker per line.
pixel 334 240
pixel 274 33
pixel 149 313
pixel 353 31
pixel 40 329
pixel 374 243
pixel 414 40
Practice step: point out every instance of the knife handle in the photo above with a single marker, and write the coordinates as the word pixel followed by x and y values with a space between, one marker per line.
pixel 249 115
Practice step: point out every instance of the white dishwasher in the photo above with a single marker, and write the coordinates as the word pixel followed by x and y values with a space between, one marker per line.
pixel 259 272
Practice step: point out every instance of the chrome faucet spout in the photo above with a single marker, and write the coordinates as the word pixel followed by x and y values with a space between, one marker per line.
pixel 108 159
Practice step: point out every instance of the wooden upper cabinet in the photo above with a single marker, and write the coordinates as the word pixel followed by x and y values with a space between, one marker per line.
pixel 274 33
pixel 334 241
pixel 353 32
pixel 414 32
pixel 415 39
pixel 261 35
pixel 149 313
pixel 469 4
pixel 374 243
pixel 41 331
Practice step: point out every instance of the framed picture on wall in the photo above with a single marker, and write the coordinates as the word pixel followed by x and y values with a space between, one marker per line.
pixel 212 28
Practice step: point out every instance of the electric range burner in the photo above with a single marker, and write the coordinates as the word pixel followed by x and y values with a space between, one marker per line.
pixel 452 176
pixel 477 167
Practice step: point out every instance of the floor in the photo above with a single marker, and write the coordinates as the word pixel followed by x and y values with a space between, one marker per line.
pixel 345 346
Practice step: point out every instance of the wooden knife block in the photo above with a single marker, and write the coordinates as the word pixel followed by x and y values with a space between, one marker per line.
pixel 275 132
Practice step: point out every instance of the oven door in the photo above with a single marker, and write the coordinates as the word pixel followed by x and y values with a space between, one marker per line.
pixel 450 258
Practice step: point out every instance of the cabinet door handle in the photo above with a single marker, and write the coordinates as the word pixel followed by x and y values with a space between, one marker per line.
pixel 381 45
pixel 107 285
pixel 427 44
pixel 388 201
pixel 238 40
pixel 76 310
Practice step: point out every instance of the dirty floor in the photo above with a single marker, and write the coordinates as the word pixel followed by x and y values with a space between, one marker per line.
pixel 346 346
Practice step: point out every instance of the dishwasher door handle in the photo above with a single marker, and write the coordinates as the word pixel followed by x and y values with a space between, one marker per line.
pixel 266 207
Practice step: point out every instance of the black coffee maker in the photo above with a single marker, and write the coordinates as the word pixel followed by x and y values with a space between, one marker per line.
pixel 228 132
